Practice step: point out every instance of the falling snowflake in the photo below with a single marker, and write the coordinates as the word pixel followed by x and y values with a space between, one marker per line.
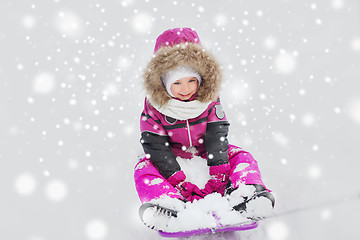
pixel 44 83
pixel 285 62
pixel 142 22
pixel 96 229
pixel 277 231
pixel 29 21
pixel 69 24
pixel 25 184
pixel 56 190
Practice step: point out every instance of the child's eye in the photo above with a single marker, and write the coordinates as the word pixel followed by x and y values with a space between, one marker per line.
pixel 192 80
pixel 176 83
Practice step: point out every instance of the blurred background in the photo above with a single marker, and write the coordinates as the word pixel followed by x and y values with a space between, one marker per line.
pixel 71 96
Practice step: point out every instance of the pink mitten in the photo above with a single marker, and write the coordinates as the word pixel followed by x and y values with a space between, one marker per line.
pixel 177 178
pixel 188 190
pixel 219 179
pixel 191 192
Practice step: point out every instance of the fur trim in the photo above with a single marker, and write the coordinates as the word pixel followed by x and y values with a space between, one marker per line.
pixel 187 54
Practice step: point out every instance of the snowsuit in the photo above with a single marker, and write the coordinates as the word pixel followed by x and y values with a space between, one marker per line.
pixel 166 135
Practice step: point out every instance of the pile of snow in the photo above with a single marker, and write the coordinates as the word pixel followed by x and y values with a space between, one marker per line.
pixel 195 169
pixel 258 208
pixel 211 212
pixel 240 194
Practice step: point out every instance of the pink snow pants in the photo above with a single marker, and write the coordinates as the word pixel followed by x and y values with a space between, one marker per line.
pixel 150 184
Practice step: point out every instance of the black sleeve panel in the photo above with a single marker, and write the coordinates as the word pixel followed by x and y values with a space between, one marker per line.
pixel 161 155
pixel 216 143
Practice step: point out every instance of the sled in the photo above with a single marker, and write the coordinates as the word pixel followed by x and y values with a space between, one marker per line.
pixel 228 228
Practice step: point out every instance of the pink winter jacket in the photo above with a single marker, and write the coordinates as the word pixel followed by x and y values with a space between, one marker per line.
pixel 164 138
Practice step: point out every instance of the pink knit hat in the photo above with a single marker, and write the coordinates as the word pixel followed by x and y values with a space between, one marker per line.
pixel 175 36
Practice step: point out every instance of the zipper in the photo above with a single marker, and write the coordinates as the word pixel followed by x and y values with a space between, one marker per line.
pixel 189 134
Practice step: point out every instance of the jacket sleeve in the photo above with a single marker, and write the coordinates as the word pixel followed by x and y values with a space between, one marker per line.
pixel 216 142
pixel 155 142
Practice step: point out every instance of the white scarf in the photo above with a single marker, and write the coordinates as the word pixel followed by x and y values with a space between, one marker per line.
pixel 182 110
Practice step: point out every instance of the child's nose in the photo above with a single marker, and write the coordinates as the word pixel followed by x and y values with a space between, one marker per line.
pixel 186 87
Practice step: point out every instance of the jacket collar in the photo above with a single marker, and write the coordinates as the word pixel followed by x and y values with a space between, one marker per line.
pixel 181 110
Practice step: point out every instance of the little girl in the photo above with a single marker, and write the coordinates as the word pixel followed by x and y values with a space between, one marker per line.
pixel 183 117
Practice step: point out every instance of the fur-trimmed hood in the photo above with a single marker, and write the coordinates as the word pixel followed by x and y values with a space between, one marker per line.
pixel 187 54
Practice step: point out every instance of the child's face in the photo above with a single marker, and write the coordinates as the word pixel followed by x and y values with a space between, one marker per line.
pixel 184 88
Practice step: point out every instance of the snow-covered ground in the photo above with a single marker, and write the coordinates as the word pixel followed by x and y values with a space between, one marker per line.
pixel 71 98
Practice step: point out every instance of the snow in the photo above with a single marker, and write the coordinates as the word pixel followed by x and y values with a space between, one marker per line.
pixel 326 214
pixel 277 231
pixel 25 184
pixel 96 229
pixel 353 109
pixel 259 208
pixel 56 190
pixel 29 21
pixel 68 23
pixel 239 194
pixel 195 169
pixel 220 20
pixel 270 42
pixel 280 138
pixel 142 22
pixel 285 62
pixel 210 212
pixel 44 83
pixel 337 4
pixel 355 44
pixel 155 181
pixel 241 167
pixel 71 96
pixel 314 172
